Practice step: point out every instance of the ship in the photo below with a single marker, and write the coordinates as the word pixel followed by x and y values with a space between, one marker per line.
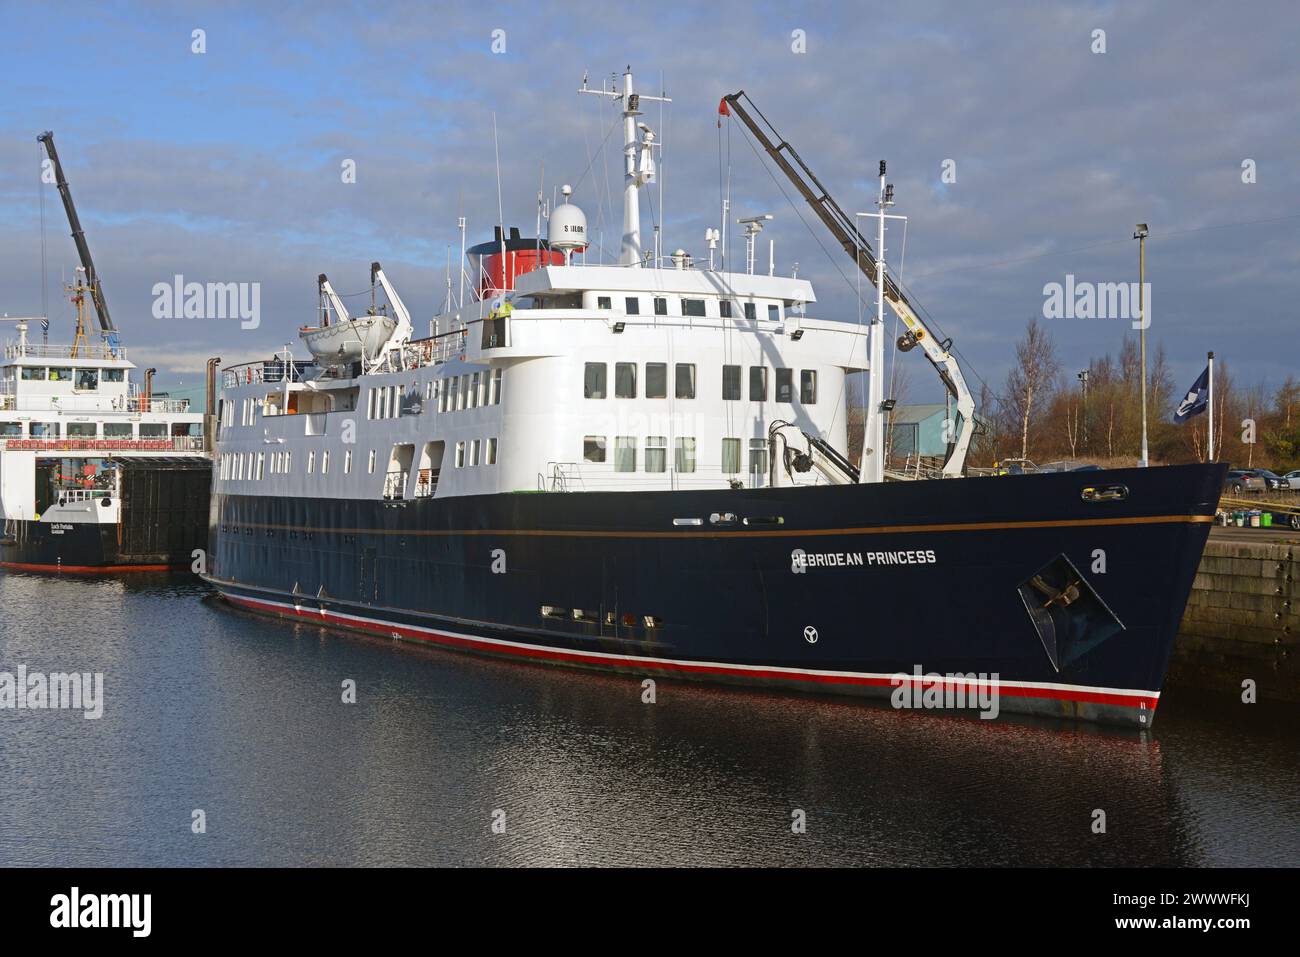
pixel 643 466
pixel 97 472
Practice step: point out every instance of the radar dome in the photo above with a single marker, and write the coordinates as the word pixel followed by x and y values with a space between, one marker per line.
pixel 568 228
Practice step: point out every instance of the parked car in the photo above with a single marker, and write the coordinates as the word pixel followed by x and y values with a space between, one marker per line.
pixel 1271 480
pixel 1243 480
pixel 1292 479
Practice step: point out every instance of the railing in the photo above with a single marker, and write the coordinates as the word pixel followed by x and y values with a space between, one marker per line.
pixel 564 477
pixel 175 443
pixel 426 482
pixel 268 370
pixel 15 350
pixel 395 484
pixel 89 403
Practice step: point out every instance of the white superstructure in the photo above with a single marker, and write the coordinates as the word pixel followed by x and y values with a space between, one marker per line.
pixel 67 415
pixel 655 373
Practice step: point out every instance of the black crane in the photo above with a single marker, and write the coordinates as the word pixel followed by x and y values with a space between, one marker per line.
pixel 79 237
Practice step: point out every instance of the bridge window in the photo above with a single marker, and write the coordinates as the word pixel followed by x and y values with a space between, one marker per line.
pixel 751 312
pixel 661 306
pixel 112 430
pixel 625 380
pixel 731 382
pixel 114 375
pixel 808 386
pixel 152 430
pixel 730 456
pixel 724 308
pixel 656 380
pixel 11 430
pixel 593 381
pixel 624 453
pixel 84 429
pixel 692 307
pixel 757 384
pixel 632 305
pixel 784 385
pixel 685 380
pixel 684 459
pixel 656 453
pixel 593 448
pixel 47 430
pixel 35 373
pixel 87 379
pixel 60 374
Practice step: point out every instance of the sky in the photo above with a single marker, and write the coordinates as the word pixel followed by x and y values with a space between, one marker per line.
pixel 227 165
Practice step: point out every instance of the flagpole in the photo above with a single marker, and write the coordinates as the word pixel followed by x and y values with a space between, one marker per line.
pixel 1210 394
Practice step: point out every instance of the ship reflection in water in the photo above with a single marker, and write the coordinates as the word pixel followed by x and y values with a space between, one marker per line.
pixel 241 717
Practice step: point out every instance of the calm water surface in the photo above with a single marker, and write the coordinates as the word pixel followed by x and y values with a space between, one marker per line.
pixel 210 708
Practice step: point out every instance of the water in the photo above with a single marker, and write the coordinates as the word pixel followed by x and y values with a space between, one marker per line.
pixel 209 708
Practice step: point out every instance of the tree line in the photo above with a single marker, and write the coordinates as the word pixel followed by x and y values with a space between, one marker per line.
pixel 1046 412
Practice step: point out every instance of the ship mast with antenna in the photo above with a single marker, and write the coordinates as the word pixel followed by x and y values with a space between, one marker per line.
pixel 638 160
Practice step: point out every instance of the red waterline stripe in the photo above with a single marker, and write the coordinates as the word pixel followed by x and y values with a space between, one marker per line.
pixel 88 569
pixel 533 651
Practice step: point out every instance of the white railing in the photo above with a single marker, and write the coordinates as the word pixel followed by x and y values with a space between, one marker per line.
pixel 395 484
pixel 14 350
pixel 174 443
pixel 426 482
pixel 89 403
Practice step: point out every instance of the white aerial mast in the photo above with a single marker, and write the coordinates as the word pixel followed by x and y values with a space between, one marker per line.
pixel 637 170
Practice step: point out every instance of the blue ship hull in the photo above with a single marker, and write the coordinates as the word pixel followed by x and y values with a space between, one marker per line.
pixel 1015 585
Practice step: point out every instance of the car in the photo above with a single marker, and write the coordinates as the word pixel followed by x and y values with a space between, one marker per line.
pixel 1271 480
pixel 1242 480
pixel 1292 479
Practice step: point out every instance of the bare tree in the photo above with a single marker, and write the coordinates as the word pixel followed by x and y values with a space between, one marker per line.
pixel 1030 381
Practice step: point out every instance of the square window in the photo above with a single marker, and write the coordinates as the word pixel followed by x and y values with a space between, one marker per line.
pixel 625 380
pixel 774 313
pixel 692 307
pixel 808 386
pixel 625 453
pixel 656 453
pixel 685 380
pixel 661 306
pixel 593 448
pixel 684 459
pixel 603 302
pixel 593 381
pixel 730 456
pixel 632 305
pixel 784 385
pixel 731 382
pixel 750 312
pixel 656 380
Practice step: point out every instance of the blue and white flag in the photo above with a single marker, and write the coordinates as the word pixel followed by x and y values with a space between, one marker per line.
pixel 1197 398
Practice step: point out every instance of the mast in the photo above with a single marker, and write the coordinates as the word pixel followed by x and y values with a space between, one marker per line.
pixel 638 162
pixel 79 237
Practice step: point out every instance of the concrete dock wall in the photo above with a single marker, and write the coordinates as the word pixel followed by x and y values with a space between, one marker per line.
pixel 1242 621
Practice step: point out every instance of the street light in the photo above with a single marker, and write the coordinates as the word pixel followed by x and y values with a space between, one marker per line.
pixel 1140 234
pixel 1083 378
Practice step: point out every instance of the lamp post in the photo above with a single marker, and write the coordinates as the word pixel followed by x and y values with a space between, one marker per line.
pixel 1140 234
pixel 1083 378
